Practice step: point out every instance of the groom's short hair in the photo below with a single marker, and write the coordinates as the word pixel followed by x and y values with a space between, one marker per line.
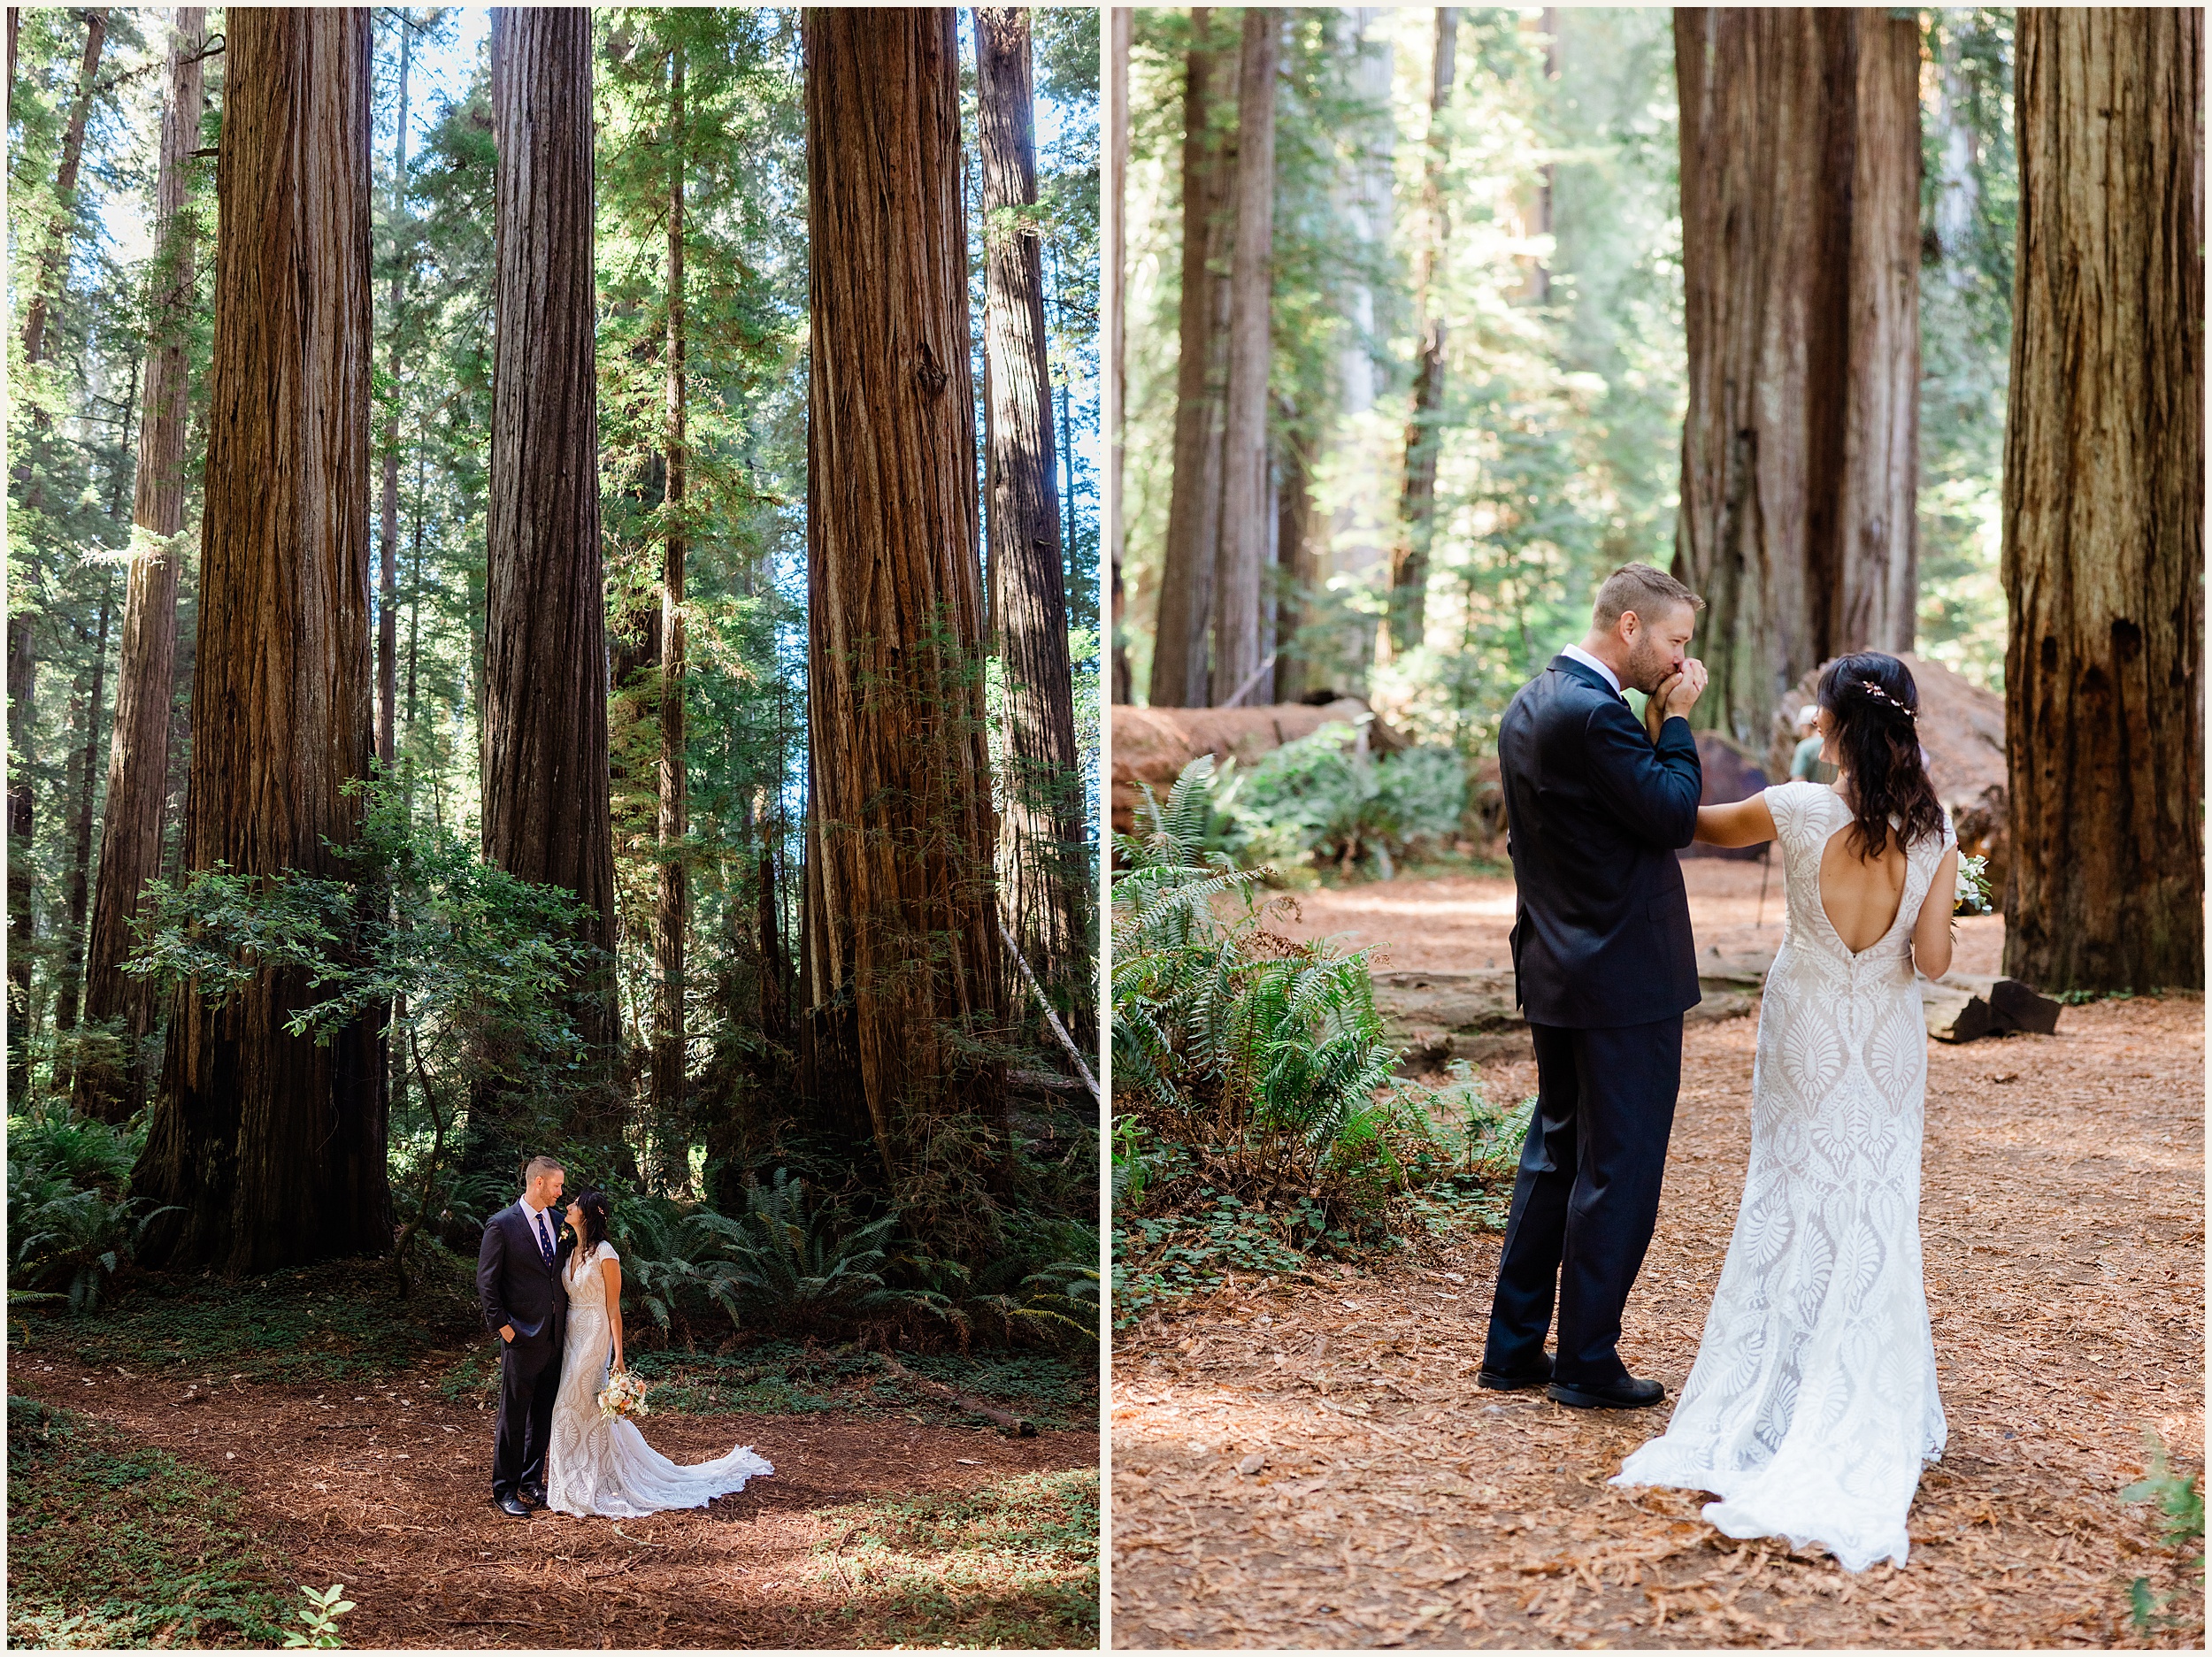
pixel 538 1165
pixel 1650 593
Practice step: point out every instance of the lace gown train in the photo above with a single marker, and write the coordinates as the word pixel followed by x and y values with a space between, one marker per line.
pixel 1812 1406
pixel 595 1465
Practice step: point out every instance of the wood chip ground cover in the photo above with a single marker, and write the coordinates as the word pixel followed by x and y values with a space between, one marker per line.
pixel 876 1527
pixel 1391 1502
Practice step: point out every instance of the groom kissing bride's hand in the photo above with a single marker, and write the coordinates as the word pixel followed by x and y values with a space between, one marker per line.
pixel 1673 696
pixel 1604 967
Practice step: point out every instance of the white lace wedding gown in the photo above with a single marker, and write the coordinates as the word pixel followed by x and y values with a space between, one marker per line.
pixel 598 1465
pixel 1812 1407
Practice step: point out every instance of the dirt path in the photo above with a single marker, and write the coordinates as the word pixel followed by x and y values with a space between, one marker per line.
pixel 385 1490
pixel 2063 1218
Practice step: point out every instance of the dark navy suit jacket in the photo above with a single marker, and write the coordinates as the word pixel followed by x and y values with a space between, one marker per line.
pixel 1593 814
pixel 514 1284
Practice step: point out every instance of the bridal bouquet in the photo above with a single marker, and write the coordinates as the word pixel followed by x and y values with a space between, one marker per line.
pixel 623 1395
pixel 1972 897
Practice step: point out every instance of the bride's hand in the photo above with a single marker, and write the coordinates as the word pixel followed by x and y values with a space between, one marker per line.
pixel 1655 706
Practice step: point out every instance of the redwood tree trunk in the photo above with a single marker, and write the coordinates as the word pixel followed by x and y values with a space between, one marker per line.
pixel 1042 884
pixel 80 898
pixel 1246 530
pixel 671 908
pixel 2104 504
pixel 272 1144
pixel 904 961
pixel 1416 504
pixel 138 751
pixel 1202 369
pixel 1800 157
pixel 1877 574
pixel 545 646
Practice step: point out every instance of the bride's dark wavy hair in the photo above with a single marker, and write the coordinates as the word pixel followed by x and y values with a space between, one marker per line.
pixel 1875 706
pixel 594 1206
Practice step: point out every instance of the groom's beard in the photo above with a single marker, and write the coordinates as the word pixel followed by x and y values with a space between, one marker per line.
pixel 1647 669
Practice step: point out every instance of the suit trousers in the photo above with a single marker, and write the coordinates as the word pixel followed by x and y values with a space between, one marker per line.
pixel 529 1380
pixel 1586 1197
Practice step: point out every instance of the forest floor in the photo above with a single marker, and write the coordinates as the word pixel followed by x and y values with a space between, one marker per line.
pixel 179 1464
pixel 1394 1503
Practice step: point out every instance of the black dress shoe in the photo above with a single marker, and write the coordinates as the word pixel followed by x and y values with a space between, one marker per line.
pixel 533 1496
pixel 511 1505
pixel 1514 1380
pixel 1629 1393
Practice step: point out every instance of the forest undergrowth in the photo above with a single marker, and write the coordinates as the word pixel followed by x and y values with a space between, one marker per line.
pixel 1259 1126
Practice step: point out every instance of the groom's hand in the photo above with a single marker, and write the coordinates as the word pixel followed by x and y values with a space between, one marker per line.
pixel 507 1333
pixel 1679 694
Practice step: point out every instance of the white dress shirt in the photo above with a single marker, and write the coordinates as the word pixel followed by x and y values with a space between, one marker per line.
pixel 540 1228
pixel 1578 653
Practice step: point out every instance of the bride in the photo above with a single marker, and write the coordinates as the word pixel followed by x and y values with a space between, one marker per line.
pixel 1812 1406
pixel 598 1464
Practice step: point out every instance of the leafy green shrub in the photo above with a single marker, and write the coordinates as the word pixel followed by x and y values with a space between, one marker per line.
pixel 2179 1501
pixel 319 1619
pixel 1257 1118
pixel 803 1261
pixel 70 1228
pixel 1324 798
pixel 475 973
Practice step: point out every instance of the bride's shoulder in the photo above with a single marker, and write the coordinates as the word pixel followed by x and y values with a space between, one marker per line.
pixel 1788 801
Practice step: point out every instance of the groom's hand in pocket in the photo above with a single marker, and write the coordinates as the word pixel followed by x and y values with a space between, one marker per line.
pixel 507 1333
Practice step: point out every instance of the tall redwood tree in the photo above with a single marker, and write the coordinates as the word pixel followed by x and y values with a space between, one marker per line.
pixel 545 643
pixel 903 961
pixel 273 1146
pixel 138 751
pixel 1180 676
pixel 2104 504
pixel 1800 183
pixel 1246 525
pixel 1043 882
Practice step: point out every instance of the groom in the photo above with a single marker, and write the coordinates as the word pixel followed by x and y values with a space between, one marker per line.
pixel 1595 806
pixel 519 1283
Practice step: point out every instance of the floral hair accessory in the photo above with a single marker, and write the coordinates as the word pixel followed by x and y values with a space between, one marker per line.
pixel 1881 695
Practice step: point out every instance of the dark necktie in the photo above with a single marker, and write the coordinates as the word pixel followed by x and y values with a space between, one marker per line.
pixel 545 1243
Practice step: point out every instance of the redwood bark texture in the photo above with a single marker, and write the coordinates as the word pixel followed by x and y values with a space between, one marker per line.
pixel 1801 159
pixel 545 644
pixel 1246 514
pixel 138 751
pixel 1043 884
pixel 272 1144
pixel 2104 504
pixel 903 964
pixel 1201 371
pixel 1417 501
